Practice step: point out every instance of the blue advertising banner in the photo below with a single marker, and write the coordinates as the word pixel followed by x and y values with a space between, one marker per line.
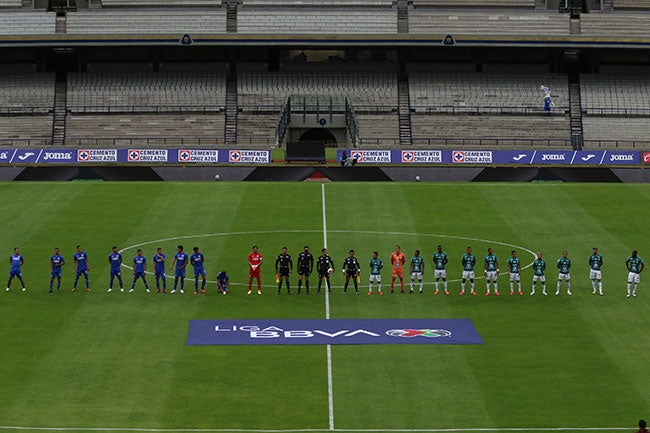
pixel 332 331
pixel 134 156
pixel 496 157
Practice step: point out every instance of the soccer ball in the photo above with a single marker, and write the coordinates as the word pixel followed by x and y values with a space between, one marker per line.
pixel 417 178
pixel 330 271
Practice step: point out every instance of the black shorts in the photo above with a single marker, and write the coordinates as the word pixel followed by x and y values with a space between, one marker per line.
pixel 351 273
pixel 322 273
pixel 283 272
pixel 304 271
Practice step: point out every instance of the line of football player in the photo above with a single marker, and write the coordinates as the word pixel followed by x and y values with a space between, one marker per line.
pixel 324 267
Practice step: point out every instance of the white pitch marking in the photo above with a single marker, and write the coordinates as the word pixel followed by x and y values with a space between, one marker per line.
pixel 363 232
pixel 342 430
pixel 330 384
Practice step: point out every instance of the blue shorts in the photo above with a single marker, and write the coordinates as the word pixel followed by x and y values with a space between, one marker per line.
pixel 82 272
pixel 15 273
pixel 56 274
pixel 139 274
pixel 116 272
pixel 160 274
pixel 180 273
pixel 199 271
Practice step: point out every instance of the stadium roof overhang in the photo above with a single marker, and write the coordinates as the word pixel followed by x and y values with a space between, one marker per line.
pixel 328 40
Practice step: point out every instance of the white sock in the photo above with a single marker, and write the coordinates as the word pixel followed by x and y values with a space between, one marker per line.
pixel 412 281
pixel 600 286
pixel 496 288
pixel 519 285
pixel 635 286
pixel 512 286
pixel 558 285
pixel 593 284
pixel 421 285
pixel 379 287
pixel 543 288
pixel 462 287
pixel 445 285
pixel 629 286
pixel 471 285
pixel 436 285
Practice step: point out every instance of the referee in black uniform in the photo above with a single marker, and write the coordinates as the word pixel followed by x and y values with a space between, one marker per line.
pixel 283 267
pixel 305 268
pixel 351 269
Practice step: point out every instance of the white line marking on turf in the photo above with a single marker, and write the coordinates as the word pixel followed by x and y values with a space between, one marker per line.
pixel 225 430
pixel 330 385
pixel 363 232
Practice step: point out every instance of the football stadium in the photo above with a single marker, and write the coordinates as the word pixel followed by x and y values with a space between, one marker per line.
pixel 324 216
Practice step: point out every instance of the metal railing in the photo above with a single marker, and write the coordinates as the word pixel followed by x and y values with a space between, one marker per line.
pixel 137 109
pixel 282 125
pixel 487 109
pixel 614 111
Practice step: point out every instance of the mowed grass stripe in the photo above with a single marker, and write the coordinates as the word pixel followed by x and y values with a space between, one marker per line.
pixel 547 362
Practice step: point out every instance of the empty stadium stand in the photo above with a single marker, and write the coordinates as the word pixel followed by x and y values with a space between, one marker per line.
pixel 17 22
pixel 26 93
pixel 476 3
pixel 631 4
pixel 485 93
pixel 316 21
pixel 146 92
pixel 11 3
pixel 443 130
pixel 612 23
pixel 320 3
pixel 26 130
pixel 458 22
pixel 260 91
pixel 147 21
pixel 191 129
pixel 616 110
pixel 159 3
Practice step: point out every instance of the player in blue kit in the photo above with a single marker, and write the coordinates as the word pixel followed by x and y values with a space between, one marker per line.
pixel 180 260
pixel 197 260
pixel 139 270
pixel 16 261
pixel 56 261
pixel 223 282
pixel 115 260
pixel 159 267
pixel 81 267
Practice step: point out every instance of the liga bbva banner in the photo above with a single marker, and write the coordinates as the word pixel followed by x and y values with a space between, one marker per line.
pixel 134 156
pixel 499 157
pixel 331 331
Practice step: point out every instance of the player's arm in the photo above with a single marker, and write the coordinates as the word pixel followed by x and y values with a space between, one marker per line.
pixel 144 266
pixel 423 265
pixel 411 267
pixel 311 264
pixel 290 265
pixel 445 260
pixel 627 264
pixel 120 259
pixel 184 264
pixel 87 264
pixel 173 263
pixel 277 264
pixel 496 263
pixel 358 265
pixel 641 266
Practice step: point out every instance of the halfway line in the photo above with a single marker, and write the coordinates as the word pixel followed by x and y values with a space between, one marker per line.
pixel 330 387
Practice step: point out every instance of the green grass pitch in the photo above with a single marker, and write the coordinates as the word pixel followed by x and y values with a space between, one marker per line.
pixel 119 360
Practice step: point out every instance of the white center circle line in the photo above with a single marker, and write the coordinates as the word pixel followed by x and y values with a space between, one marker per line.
pixel 362 232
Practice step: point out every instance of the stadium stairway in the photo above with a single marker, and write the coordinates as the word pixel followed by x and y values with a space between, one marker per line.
pixel 404 113
pixel 230 125
pixel 60 114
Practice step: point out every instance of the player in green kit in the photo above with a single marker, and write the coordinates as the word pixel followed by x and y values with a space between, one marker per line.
pixel 595 274
pixel 375 273
pixel 468 261
pixel 417 269
pixel 491 270
pixel 538 267
pixel 439 261
pixel 514 269
pixel 564 264
pixel 634 265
